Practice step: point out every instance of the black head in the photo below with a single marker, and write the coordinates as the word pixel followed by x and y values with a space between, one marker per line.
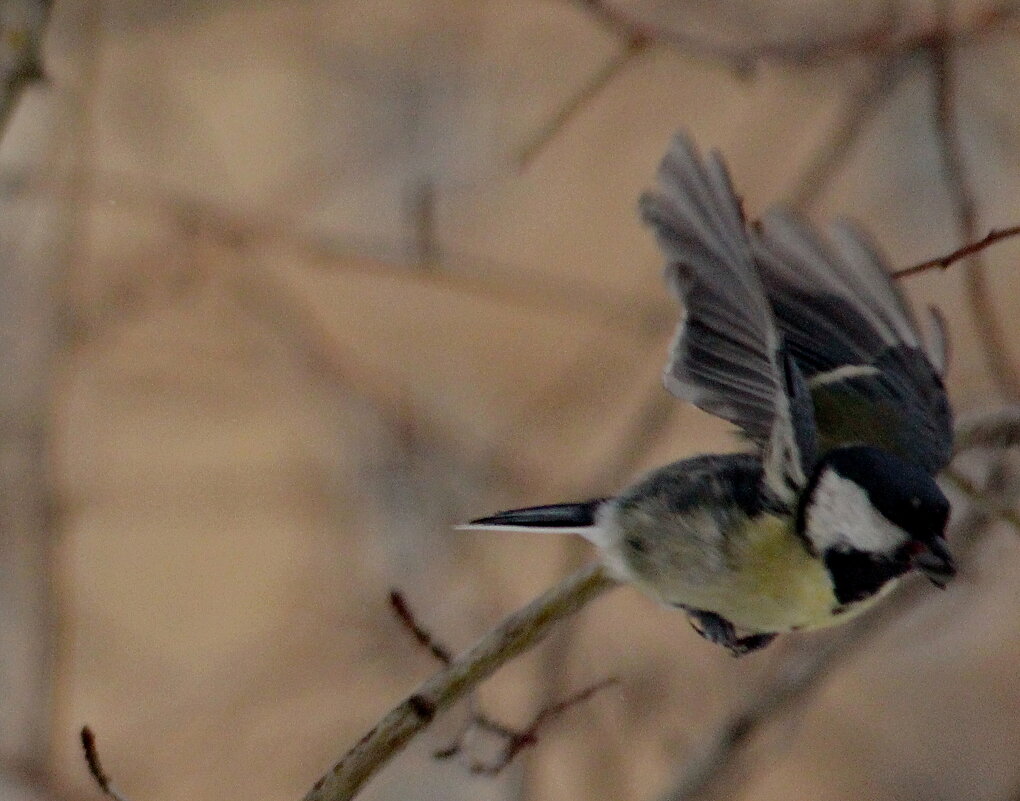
pixel 872 516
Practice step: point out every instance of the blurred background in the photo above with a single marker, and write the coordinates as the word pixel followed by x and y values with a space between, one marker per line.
pixel 289 288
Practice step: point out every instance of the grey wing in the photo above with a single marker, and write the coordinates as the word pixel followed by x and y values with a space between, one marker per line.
pixel 845 322
pixel 727 357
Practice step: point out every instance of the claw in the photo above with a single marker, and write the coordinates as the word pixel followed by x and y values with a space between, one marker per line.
pixel 720 631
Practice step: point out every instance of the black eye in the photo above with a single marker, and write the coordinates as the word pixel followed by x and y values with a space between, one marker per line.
pixel 635 543
pixel 915 502
pixel 943 510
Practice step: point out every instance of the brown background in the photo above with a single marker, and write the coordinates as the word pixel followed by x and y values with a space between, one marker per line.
pixel 313 310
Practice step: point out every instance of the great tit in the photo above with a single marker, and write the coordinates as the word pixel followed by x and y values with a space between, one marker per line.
pixel 806 344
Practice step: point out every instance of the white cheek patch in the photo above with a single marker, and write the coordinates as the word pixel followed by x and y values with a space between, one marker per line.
pixel 839 514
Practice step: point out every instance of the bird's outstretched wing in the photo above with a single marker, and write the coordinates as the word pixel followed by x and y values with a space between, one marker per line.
pixel 728 357
pixel 848 327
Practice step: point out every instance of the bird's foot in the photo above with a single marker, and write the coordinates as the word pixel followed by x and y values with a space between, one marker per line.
pixel 719 630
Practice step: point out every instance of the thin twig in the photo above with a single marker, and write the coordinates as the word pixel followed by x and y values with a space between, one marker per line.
pixel 516 741
pixel 517 633
pixel 942 262
pixel 528 737
pixel 553 711
pixel 421 634
pixel 88 744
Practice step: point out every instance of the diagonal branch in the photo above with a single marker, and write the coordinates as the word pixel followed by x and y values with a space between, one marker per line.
pixel 861 105
pixel 517 633
pixel 595 83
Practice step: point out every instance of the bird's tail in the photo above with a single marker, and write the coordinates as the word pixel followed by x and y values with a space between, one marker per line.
pixel 558 518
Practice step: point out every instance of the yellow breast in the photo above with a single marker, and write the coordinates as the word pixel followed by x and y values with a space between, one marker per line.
pixel 775 584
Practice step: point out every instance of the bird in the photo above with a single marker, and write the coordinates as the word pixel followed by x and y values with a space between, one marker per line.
pixel 805 343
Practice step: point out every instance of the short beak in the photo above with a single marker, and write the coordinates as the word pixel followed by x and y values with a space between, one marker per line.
pixel 936 562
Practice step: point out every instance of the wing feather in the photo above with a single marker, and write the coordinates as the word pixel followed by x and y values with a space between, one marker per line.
pixel 727 357
pixel 850 329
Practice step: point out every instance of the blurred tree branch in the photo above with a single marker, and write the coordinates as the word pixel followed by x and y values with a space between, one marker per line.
pixel 28 343
pixel 196 218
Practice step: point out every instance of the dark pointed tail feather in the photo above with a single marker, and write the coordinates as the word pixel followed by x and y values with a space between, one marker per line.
pixel 557 515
